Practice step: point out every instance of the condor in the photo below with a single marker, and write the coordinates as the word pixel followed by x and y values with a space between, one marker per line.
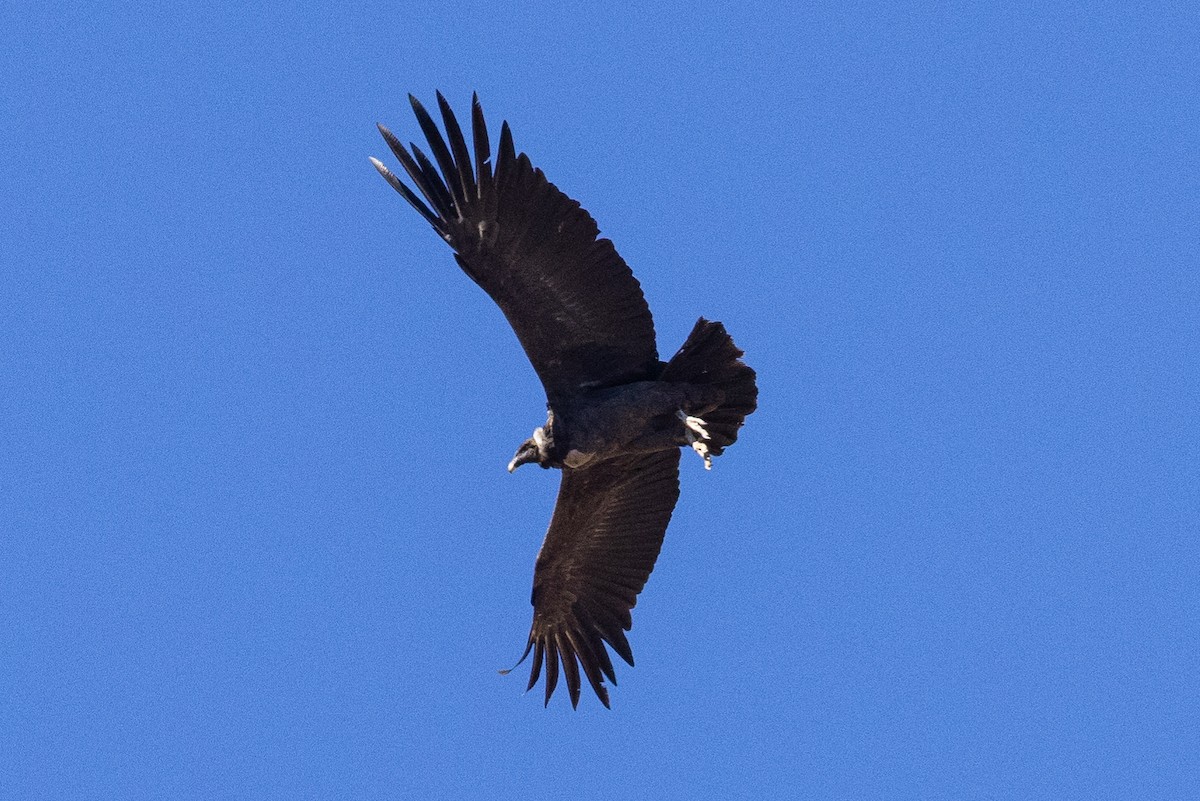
pixel 617 415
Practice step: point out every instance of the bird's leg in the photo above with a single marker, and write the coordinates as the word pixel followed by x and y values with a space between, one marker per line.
pixel 695 433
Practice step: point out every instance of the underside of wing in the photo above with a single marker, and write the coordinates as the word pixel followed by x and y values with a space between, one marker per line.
pixel 572 301
pixel 603 540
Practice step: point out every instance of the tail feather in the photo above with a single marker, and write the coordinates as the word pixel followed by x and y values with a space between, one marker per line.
pixel 709 357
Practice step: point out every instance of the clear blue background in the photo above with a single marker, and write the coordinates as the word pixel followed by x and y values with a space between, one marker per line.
pixel 256 536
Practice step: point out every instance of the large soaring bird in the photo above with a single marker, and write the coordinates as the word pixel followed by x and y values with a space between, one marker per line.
pixel 617 416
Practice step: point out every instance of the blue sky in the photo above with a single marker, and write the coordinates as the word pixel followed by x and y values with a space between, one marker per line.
pixel 257 537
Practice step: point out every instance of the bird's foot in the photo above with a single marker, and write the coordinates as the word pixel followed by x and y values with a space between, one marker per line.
pixel 695 432
pixel 693 427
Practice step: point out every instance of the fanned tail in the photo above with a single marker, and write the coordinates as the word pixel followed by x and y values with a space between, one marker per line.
pixel 709 357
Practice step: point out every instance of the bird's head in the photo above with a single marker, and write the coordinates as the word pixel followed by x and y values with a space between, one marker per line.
pixel 534 449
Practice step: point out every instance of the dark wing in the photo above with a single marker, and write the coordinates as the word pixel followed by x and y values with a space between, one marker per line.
pixel 606 532
pixel 572 301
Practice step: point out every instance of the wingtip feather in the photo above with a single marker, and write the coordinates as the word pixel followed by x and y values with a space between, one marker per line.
pixel 551 669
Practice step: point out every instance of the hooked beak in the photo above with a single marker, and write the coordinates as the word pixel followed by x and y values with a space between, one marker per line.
pixel 528 452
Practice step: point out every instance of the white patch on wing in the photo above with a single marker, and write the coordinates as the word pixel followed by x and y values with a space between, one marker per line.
pixel 577 458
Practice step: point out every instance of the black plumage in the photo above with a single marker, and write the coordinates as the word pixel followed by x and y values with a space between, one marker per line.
pixel 617 415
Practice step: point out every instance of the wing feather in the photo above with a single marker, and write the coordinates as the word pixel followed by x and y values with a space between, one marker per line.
pixel 407 194
pixel 574 304
pixel 441 153
pixel 535 671
pixel 483 155
pixel 431 179
pixel 603 540
pixel 551 668
pixel 458 149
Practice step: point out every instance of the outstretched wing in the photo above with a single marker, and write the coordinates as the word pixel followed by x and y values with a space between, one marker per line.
pixel 606 532
pixel 572 301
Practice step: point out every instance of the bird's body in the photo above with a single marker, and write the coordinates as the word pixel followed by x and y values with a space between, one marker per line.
pixel 641 417
pixel 617 415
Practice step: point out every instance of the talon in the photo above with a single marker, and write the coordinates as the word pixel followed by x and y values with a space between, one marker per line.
pixel 692 426
pixel 694 433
